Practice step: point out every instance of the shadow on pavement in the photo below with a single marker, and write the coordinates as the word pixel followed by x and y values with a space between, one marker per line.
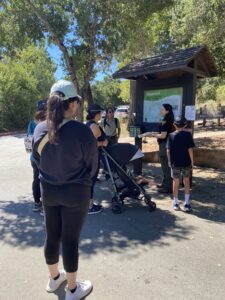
pixel 107 232
pixel 207 194
pixel 19 225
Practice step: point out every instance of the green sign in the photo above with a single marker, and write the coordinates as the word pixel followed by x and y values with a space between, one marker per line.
pixel 153 100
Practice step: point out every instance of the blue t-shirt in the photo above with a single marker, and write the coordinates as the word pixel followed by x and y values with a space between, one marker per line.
pixel 30 131
pixel 31 127
pixel 179 142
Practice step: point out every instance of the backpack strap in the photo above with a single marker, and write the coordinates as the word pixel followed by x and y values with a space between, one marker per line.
pixel 116 122
pixel 45 139
pixel 105 123
pixel 42 144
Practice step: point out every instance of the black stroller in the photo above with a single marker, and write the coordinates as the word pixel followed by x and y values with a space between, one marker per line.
pixel 116 158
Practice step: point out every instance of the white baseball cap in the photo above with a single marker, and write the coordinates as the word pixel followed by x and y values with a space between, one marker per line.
pixel 66 87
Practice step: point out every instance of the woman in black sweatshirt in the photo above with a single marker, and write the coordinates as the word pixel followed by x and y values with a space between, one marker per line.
pixel 66 153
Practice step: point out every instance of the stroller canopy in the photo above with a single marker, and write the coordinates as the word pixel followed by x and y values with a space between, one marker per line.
pixel 123 153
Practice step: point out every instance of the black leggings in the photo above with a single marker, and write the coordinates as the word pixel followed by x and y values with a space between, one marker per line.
pixel 36 183
pixel 94 179
pixel 64 224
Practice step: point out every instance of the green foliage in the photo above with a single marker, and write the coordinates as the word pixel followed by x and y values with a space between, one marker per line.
pixel 92 32
pixel 200 22
pixel 107 92
pixel 183 24
pixel 220 94
pixel 24 79
pixel 207 91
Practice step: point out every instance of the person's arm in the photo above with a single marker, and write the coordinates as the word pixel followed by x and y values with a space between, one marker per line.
pixel 30 128
pixel 119 128
pixel 191 145
pixel 168 152
pixel 90 153
pixel 190 151
pixel 97 133
pixel 168 157
pixel 161 135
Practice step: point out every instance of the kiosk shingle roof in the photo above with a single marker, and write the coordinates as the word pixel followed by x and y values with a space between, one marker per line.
pixel 166 62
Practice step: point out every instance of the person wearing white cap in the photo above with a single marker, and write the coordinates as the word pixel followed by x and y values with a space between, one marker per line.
pixel 66 154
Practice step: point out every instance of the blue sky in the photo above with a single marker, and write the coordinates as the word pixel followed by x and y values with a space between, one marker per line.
pixel 55 54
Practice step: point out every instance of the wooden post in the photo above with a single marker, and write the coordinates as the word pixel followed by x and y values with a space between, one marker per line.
pixel 137 164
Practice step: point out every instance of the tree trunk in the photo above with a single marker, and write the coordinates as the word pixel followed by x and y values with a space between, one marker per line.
pixel 87 94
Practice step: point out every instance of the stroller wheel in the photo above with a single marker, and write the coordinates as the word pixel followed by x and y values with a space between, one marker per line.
pixel 117 209
pixel 117 206
pixel 147 199
pixel 151 206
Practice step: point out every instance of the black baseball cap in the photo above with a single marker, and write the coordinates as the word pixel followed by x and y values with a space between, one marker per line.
pixel 180 121
pixel 95 108
pixel 42 104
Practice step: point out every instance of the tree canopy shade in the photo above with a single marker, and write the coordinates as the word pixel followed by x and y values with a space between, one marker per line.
pixel 87 32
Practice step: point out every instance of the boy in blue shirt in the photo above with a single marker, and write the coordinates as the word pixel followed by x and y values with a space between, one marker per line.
pixel 180 158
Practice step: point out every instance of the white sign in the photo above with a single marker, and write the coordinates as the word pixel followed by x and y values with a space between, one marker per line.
pixel 190 112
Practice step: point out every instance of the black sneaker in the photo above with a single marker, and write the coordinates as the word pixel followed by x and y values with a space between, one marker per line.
pixel 107 176
pixel 95 209
pixel 187 208
pixel 37 207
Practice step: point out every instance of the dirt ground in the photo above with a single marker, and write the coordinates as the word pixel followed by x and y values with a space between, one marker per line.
pixel 212 137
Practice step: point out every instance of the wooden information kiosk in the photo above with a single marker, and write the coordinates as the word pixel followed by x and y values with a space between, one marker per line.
pixel 165 78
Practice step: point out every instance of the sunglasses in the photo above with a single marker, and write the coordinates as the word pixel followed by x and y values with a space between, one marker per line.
pixel 110 112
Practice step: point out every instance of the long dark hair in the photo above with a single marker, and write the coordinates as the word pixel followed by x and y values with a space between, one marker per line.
pixel 40 115
pixel 55 114
pixel 169 117
pixel 109 108
pixel 91 115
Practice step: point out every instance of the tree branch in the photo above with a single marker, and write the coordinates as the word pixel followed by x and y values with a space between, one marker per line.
pixel 60 43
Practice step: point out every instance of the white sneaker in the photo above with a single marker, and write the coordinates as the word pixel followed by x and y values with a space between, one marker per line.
pixel 83 289
pixel 53 285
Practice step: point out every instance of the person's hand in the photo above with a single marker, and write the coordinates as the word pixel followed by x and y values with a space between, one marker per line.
pixel 105 143
pixel 143 135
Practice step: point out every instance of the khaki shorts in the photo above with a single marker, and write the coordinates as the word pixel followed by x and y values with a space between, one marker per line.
pixel 176 172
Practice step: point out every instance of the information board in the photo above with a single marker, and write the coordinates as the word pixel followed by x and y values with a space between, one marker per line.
pixel 153 100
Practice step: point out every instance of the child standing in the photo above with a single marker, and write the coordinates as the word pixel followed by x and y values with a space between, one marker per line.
pixel 180 158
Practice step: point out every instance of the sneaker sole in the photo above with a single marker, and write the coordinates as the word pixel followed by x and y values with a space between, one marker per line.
pixel 88 293
pixel 94 212
pixel 91 290
pixel 176 209
pixel 52 291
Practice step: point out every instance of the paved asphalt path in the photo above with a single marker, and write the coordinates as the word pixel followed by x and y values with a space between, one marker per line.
pixel 136 255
